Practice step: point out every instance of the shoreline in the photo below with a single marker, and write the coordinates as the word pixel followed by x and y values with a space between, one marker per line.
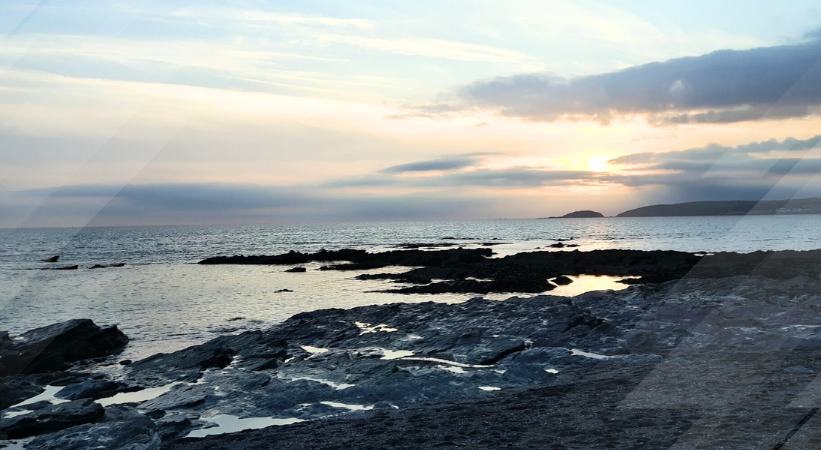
pixel 674 357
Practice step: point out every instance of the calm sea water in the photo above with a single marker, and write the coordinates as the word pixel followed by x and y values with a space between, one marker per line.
pixel 164 301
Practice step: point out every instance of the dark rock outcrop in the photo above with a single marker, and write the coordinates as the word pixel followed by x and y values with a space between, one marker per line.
pixel 121 428
pixel 51 418
pixel 92 388
pixel 106 266
pixel 646 367
pixel 71 267
pixel 15 389
pixel 55 347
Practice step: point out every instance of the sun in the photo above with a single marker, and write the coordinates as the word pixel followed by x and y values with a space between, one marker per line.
pixel 597 164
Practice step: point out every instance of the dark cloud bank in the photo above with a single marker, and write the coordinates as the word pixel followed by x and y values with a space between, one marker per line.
pixel 720 87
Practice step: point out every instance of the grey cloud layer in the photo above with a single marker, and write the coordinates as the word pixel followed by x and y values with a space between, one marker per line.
pixel 219 203
pixel 774 168
pixel 747 171
pixel 724 86
pixel 433 165
pixel 433 189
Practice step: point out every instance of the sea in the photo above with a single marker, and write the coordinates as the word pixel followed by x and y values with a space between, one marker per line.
pixel 164 301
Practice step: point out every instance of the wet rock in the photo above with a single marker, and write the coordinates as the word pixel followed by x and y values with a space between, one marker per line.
pixel 189 363
pixel 71 267
pixel 361 259
pixel 105 266
pixel 14 389
pixel 297 270
pixel 51 418
pixel 5 340
pixel 173 426
pixel 121 428
pixel 93 389
pixel 179 397
pixel 54 347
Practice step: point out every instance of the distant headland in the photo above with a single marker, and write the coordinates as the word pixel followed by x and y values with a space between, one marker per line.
pixel 715 208
pixel 729 208
pixel 584 214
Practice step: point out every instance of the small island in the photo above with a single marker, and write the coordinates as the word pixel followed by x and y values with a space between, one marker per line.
pixel 584 214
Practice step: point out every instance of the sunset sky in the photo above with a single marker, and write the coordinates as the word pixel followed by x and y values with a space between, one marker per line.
pixel 165 112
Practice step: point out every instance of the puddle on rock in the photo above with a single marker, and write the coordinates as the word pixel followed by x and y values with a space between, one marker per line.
pixel 395 354
pixel 226 423
pixel 337 386
pixel 490 388
pixel 366 328
pixel 587 283
pixel 137 396
pixel 313 350
pixel 577 352
pixel 348 406
pixel 445 362
pixel 47 395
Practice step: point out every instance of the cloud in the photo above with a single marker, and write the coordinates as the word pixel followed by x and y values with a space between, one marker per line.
pixel 713 151
pixel 433 165
pixel 719 87
pixel 773 168
pixel 746 171
pixel 202 203
pixel 432 48
pixel 290 19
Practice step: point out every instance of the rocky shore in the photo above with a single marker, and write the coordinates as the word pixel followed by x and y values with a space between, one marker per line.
pixel 706 351
pixel 476 271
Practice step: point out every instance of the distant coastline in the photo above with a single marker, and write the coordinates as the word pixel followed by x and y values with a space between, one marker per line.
pixel 715 208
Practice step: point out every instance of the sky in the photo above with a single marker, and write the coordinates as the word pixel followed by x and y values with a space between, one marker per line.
pixel 173 112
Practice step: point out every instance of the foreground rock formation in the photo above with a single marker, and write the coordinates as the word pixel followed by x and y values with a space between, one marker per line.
pixel 726 355
pixel 54 347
